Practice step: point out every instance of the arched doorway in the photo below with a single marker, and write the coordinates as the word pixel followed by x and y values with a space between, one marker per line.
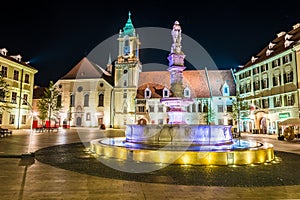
pixel 263 125
pixel 78 121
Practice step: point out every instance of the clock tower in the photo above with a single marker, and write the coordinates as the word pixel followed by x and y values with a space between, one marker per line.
pixel 127 69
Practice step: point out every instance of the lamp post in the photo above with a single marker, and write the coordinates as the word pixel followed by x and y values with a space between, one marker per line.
pixel 28 153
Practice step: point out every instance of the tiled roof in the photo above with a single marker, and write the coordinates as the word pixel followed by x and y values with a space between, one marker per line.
pixel 292 37
pixel 20 62
pixel 217 79
pixel 196 80
pixel 86 69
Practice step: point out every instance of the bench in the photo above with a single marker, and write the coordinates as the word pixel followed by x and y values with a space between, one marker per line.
pixel 5 132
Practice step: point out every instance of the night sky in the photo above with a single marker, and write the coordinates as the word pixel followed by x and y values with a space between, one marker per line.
pixel 55 35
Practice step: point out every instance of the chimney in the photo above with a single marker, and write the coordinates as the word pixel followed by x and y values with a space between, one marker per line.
pixel 3 51
pixel 296 26
pixel 281 34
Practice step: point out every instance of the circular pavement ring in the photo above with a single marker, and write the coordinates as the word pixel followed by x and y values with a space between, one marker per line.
pixel 74 157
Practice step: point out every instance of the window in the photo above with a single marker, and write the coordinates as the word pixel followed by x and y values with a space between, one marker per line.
pixel 288 77
pixel 275 63
pixel 187 92
pixel 160 108
pixel 165 93
pixel 255 70
pixel 256 85
pixel 160 121
pixel 193 108
pixel 247 73
pixel 101 100
pixel 125 109
pixel 289 100
pixel 205 108
pixel 147 93
pixel 276 80
pixel 141 108
pixel 125 95
pixel 277 101
pixel 229 108
pixel 58 103
pixel 188 109
pixel 79 89
pixel 4 71
pixel 125 83
pixel 287 58
pixel 11 119
pixel 13 97
pixel 1 116
pixel 26 78
pixel 86 100
pixel 220 108
pixel 2 95
pixel 199 107
pixel 264 68
pixel 151 108
pixel 23 119
pixel 25 99
pixel 265 103
pixel 126 46
pixel 264 83
pixel 220 121
pixel 248 87
pixel 16 75
pixel 88 116
pixel 72 100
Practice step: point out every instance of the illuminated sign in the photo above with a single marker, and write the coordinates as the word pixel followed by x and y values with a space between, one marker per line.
pixel 284 115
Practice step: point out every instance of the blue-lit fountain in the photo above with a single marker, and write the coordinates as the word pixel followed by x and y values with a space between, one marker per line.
pixel 178 142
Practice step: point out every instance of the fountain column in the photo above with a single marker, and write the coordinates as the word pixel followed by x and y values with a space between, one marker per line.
pixel 176 67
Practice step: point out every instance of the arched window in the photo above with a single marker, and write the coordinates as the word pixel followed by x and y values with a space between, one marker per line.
pixel 126 46
pixel 226 89
pixel 58 103
pixel 147 93
pixel 88 116
pixel 101 100
pixel 86 100
pixel 187 92
pixel 72 100
pixel 165 93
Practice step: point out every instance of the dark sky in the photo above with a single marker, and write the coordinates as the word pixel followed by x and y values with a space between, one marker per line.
pixel 55 35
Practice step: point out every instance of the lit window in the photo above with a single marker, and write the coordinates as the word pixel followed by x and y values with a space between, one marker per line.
pixel 187 92
pixel 147 93
pixel 165 93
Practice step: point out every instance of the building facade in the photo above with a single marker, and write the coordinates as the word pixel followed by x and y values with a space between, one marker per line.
pixel 123 94
pixel 269 82
pixel 19 76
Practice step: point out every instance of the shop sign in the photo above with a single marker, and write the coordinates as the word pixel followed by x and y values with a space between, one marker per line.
pixel 284 115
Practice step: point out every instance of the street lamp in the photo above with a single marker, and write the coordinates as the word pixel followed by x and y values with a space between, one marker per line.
pixel 29 154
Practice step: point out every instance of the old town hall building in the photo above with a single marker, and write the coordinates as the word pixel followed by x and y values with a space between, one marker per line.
pixel 123 94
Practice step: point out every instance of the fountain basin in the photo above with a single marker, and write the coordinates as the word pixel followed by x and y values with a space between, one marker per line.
pixel 240 152
pixel 188 134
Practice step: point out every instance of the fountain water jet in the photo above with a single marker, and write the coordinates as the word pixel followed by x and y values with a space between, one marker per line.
pixel 178 142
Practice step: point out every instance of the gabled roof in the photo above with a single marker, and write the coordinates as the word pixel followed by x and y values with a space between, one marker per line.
pixel 86 69
pixel 292 37
pixel 217 79
pixel 196 80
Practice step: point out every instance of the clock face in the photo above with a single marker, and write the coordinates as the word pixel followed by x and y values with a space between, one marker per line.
pixel 125 71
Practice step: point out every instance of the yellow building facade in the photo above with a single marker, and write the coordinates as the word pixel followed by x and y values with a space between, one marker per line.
pixel 19 76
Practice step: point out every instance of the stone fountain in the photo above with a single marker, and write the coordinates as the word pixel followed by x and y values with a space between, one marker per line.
pixel 178 142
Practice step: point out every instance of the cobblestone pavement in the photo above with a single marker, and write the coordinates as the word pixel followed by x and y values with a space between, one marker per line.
pixel 32 179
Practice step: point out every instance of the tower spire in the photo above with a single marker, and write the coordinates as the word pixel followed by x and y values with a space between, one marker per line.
pixel 129 28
